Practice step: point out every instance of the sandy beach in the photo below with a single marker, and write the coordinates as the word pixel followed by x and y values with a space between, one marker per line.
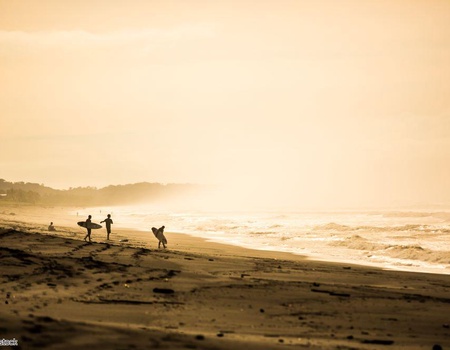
pixel 59 292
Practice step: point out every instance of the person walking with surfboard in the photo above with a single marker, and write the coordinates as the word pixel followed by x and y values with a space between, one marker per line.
pixel 88 228
pixel 108 221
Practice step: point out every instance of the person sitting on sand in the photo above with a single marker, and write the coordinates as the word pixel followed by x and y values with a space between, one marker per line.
pixel 108 221
pixel 88 228
pixel 51 227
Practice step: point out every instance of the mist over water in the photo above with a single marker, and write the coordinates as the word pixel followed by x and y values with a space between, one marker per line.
pixel 404 240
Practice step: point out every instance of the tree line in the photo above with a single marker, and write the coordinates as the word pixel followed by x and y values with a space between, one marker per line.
pixel 34 193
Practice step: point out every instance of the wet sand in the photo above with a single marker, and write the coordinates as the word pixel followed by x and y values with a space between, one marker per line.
pixel 59 292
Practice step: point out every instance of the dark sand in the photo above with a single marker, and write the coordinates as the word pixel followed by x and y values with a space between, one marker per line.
pixel 58 292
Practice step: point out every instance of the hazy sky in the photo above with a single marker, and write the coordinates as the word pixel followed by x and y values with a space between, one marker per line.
pixel 306 103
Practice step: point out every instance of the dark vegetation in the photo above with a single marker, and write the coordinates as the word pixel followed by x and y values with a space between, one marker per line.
pixel 33 193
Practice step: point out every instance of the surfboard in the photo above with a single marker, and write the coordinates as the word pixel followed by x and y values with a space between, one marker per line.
pixel 159 235
pixel 92 225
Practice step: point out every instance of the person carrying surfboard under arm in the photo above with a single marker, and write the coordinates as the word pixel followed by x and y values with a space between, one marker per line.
pixel 108 221
pixel 88 228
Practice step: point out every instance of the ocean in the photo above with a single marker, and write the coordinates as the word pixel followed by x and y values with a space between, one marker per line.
pixel 403 240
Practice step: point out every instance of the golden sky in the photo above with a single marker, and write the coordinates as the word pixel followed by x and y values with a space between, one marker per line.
pixel 294 103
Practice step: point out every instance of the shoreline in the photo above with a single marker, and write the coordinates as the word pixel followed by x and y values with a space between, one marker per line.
pixel 38 215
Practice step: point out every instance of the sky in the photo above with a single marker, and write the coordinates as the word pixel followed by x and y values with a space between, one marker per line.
pixel 299 104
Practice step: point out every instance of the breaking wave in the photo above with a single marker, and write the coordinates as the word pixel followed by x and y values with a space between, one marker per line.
pixel 400 228
pixel 405 252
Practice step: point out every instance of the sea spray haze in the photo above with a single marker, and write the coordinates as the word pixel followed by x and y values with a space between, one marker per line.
pixel 403 240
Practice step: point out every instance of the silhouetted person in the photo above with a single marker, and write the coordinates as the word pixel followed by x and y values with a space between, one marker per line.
pixel 88 228
pixel 108 221
pixel 51 227
pixel 159 234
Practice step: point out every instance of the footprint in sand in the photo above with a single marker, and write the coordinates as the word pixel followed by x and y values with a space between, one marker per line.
pixel 78 248
pixel 102 249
